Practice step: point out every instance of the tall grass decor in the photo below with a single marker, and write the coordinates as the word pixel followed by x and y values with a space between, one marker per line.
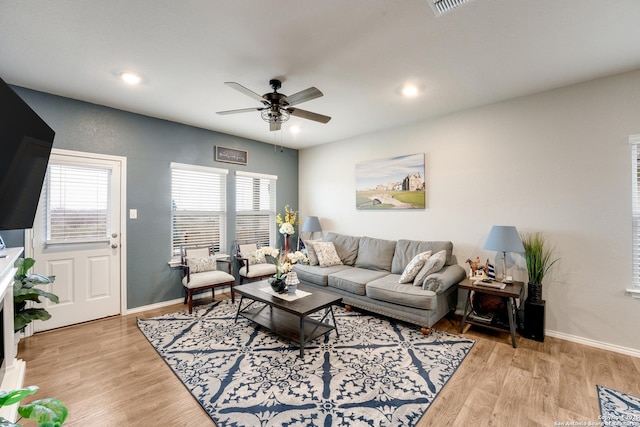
pixel 539 259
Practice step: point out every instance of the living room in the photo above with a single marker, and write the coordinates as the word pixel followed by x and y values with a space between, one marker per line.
pixel 556 161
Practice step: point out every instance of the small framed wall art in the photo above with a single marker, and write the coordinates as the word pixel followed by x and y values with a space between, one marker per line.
pixel 230 155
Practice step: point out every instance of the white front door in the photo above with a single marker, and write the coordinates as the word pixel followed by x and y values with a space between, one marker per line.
pixel 77 237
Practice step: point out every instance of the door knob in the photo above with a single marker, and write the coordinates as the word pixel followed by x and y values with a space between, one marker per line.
pixel 114 246
pixel 114 235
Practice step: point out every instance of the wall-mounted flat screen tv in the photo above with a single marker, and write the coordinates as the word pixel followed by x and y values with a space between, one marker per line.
pixel 25 145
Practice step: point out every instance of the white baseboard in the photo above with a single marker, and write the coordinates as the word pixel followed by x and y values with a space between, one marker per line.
pixel 163 304
pixel 593 343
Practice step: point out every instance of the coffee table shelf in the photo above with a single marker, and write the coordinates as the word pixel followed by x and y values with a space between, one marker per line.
pixel 287 325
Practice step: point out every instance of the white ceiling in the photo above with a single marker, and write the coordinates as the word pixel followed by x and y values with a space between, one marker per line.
pixel 357 52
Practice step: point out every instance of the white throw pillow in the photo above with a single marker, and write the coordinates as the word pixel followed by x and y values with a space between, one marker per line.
pixel 413 268
pixel 201 264
pixel 327 255
pixel 433 265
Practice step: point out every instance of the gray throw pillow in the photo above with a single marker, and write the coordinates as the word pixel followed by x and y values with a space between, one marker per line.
pixel 413 268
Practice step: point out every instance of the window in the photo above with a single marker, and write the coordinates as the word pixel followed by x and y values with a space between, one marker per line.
pixel 77 203
pixel 256 208
pixel 198 206
pixel 634 140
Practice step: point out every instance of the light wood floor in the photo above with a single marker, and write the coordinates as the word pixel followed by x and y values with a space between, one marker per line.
pixel 109 375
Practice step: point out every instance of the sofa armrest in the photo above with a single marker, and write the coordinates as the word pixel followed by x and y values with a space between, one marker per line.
pixel 444 279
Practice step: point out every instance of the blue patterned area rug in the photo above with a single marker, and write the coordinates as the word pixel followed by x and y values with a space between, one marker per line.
pixel 377 373
pixel 617 408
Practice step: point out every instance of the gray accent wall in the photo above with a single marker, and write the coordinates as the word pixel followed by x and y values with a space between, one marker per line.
pixel 150 145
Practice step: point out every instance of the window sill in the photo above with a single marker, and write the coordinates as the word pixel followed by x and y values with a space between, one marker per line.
pixel 635 293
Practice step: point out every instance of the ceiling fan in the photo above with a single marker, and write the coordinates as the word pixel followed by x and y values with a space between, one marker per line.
pixel 278 107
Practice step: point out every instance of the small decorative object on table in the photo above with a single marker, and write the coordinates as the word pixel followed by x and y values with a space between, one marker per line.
pixel 292 282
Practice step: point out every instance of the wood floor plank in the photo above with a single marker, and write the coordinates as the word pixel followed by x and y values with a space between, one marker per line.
pixel 108 374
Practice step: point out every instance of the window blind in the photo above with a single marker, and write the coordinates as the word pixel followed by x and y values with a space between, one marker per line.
pixel 198 207
pixel 256 208
pixel 635 215
pixel 77 203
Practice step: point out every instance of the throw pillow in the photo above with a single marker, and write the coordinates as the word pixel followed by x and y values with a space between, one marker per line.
pixel 433 264
pixel 311 252
pixel 257 257
pixel 326 253
pixel 202 264
pixel 413 268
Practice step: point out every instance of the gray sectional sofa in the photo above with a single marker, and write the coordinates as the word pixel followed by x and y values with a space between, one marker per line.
pixel 369 275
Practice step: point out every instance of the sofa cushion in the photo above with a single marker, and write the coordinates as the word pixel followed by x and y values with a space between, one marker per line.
pixel 315 274
pixel 346 246
pixel 375 254
pixel 354 279
pixel 388 289
pixel 407 249
pixel 326 253
pixel 414 267
pixel 433 265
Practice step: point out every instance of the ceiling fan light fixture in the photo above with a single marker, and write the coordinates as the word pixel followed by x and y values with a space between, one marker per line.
pixel 279 116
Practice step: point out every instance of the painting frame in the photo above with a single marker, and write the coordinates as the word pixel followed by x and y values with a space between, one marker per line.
pixel 391 183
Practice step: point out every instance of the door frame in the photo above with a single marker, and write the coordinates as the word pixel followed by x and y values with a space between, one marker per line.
pixel 28 233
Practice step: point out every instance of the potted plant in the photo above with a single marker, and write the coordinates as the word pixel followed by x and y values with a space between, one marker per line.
pixel 539 258
pixel 24 289
pixel 47 412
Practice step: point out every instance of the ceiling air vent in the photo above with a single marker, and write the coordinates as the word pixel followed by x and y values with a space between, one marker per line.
pixel 440 7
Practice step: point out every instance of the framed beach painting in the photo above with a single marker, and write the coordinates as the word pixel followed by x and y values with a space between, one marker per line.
pixel 392 183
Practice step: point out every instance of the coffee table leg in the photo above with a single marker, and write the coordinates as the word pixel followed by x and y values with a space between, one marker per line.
pixel 238 312
pixel 301 337
pixel 335 325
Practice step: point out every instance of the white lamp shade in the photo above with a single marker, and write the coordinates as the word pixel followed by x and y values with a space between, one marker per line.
pixel 311 224
pixel 504 238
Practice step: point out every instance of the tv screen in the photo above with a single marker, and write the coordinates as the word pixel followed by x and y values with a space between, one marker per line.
pixel 25 144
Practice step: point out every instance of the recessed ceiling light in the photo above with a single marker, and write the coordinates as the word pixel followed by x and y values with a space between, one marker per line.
pixel 130 78
pixel 409 90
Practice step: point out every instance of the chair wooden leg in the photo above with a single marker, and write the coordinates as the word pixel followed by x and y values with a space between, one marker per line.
pixel 232 296
pixel 190 301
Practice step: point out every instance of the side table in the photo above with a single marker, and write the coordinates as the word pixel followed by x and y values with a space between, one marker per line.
pixel 509 293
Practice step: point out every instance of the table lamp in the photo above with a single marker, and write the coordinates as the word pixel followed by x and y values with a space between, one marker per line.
pixel 504 238
pixel 311 225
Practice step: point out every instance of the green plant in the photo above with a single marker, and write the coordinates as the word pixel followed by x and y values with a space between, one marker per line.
pixel 24 289
pixel 46 412
pixel 538 256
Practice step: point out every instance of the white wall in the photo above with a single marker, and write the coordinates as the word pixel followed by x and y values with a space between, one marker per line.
pixel 556 162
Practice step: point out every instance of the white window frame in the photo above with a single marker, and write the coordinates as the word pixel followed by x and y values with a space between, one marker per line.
pixel 221 214
pixel 634 142
pixel 242 211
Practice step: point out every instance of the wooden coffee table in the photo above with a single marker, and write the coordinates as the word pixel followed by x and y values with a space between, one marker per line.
pixel 289 319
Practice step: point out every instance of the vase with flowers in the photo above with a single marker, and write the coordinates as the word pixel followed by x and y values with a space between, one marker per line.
pixel 287 225
pixel 284 263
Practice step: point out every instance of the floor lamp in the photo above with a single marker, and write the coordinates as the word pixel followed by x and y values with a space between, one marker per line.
pixel 504 238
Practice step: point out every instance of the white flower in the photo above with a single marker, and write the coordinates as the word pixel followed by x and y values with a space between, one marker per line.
pixel 297 257
pixel 287 228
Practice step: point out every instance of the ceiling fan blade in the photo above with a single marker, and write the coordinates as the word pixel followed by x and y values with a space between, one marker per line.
pixel 308 115
pixel 242 110
pixel 274 126
pixel 304 96
pixel 248 92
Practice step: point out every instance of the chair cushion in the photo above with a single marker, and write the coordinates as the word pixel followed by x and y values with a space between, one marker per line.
pixel 258 270
pixel 209 278
pixel 201 264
